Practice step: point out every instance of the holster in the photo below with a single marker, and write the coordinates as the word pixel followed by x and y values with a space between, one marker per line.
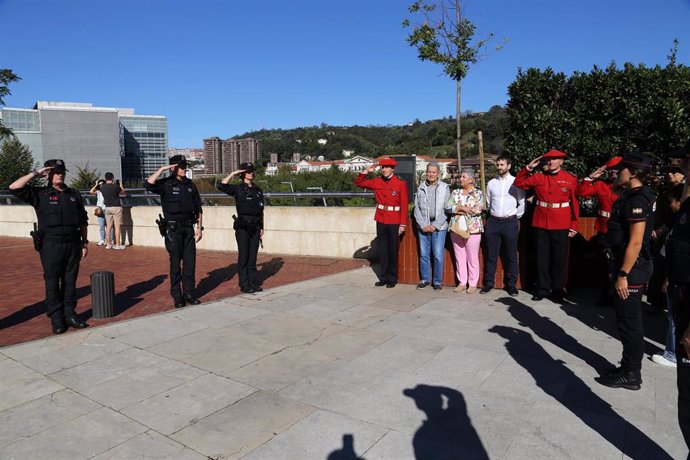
pixel 610 259
pixel 162 225
pixel 247 223
pixel 37 236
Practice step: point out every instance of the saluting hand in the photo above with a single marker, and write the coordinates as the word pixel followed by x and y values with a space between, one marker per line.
pixel 371 168
pixel 597 174
pixel 534 163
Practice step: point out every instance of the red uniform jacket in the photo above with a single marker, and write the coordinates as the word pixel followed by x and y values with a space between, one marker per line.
pixel 604 193
pixel 556 207
pixel 391 195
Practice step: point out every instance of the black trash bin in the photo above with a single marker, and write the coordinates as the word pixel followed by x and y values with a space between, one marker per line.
pixel 103 295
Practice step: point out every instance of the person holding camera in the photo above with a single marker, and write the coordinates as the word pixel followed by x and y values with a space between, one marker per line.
pixel 249 224
pixel 182 211
pixel 60 239
pixel 111 191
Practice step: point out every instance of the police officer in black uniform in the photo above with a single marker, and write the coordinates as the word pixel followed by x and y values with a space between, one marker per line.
pixel 629 233
pixel 181 225
pixel 60 239
pixel 249 224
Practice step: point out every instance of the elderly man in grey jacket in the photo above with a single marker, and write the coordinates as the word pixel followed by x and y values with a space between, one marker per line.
pixel 432 224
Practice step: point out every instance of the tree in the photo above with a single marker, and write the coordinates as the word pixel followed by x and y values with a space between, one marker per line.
pixel 446 37
pixel 85 178
pixel 6 77
pixel 15 161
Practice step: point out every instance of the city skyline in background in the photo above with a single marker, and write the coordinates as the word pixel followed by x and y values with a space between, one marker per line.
pixel 226 68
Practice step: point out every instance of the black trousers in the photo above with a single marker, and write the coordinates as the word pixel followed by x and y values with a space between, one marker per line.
pixel 682 321
pixel 387 240
pixel 552 260
pixel 181 247
pixel 60 260
pixel 629 316
pixel 501 233
pixel 247 248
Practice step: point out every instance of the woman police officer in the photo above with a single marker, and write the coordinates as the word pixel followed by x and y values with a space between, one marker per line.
pixel 249 224
pixel 629 232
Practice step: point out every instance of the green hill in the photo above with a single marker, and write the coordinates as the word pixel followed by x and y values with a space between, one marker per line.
pixel 434 138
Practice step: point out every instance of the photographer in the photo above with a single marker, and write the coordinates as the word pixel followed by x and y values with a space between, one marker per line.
pixel 249 224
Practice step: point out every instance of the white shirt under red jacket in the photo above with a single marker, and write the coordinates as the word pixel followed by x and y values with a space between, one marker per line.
pixel 556 206
pixel 391 198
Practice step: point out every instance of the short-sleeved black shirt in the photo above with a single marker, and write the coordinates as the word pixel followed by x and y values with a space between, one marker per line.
pixel 636 205
pixel 111 195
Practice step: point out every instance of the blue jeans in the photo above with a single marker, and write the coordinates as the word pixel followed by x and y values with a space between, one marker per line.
pixel 432 243
pixel 672 304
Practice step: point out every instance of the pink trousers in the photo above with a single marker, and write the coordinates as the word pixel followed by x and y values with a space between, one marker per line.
pixel 467 258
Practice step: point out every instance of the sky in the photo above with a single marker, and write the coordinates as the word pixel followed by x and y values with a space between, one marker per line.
pixel 226 67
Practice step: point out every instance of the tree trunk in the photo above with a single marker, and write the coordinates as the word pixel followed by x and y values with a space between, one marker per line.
pixel 457 124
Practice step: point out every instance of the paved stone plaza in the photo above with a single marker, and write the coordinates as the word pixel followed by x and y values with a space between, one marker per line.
pixel 334 368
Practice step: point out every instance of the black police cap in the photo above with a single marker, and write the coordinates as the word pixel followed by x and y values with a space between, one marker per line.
pixel 57 165
pixel 247 167
pixel 178 160
pixel 635 160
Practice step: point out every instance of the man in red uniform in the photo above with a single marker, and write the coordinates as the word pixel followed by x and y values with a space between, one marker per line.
pixel 390 193
pixel 603 190
pixel 555 220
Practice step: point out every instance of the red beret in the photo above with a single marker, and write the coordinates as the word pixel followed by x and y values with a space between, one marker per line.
pixel 388 162
pixel 613 162
pixel 554 154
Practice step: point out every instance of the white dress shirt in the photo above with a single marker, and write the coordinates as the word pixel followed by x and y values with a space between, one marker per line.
pixel 503 198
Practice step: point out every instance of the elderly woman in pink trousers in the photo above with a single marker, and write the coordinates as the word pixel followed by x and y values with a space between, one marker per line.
pixel 466 203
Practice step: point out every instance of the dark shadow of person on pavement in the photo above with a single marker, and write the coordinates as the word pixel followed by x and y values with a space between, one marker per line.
pixel 214 278
pixel 559 382
pixel 37 309
pixel 347 452
pixel 547 330
pixel 447 432
pixel 604 319
pixel 269 269
pixel 134 293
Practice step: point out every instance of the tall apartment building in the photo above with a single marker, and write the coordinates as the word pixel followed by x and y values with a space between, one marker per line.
pixel 106 139
pixel 213 158
pixel 225 156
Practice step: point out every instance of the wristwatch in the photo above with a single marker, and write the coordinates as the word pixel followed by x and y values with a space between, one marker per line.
pixel 201 227
pixel 622 273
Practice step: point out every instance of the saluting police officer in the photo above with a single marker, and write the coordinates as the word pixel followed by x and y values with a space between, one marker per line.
pixel 182 221
pixel 249 224
pixel 629 232
pixel 60 239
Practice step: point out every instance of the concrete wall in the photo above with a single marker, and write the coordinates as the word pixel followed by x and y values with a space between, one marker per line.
pixel 309 231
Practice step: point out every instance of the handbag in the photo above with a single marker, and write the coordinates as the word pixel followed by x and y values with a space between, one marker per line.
pixel 98 211
pixel 459 227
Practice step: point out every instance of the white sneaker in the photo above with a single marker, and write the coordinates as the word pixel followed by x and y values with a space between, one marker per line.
pixel 659 358
pixel 119 246
pixel 101 243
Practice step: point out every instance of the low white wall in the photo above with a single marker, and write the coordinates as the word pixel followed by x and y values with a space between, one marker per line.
pixel 308 231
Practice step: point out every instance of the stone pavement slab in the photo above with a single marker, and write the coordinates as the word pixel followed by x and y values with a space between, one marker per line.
pixel 335 367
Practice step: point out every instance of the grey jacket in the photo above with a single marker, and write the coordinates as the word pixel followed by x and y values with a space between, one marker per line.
pixel 421 211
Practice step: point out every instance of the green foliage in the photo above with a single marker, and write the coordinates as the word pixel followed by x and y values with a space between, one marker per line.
pixel 434 138
pixel 331 180
pixel 85 178
pixel 594 116
pixel 6 77
pixel 15 161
